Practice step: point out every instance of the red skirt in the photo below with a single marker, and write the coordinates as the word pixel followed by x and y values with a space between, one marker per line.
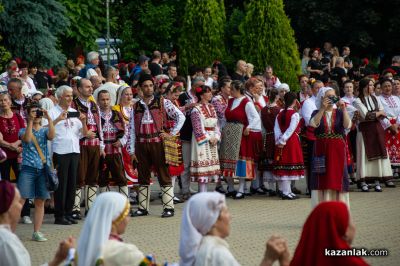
pixel 334 150
pixel 393 145
pixel 288 160
pixel 175 170
pixel 251 146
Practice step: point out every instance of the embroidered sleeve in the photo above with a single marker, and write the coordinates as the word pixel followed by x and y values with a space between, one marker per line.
pixel 219 107
pixel 294 121
pixel 101 134
pixel 253 117
pixel 130 146
pixel 198 128
pixel 176 114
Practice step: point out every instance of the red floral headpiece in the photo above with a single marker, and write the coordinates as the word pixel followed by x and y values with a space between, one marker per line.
pixel 199 89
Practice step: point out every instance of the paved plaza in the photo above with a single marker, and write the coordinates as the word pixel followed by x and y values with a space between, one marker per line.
pixel 376 216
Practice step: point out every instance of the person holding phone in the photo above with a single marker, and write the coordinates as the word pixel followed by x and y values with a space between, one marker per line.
pixel 330 124
pixel 66 153
pixel 32 181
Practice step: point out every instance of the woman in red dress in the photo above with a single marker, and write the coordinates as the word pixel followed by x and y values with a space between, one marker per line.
pixel 242 111
pixel 268 117
pixel 172 92
pixel 288 162
pixel 330 124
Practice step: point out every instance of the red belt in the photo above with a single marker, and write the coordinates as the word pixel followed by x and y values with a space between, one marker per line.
pixel 209 128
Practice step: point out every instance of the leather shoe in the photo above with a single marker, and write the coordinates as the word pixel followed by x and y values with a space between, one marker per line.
pixel 220 189
pixel 231 194
pixel 62 221
pixel 296 191
pixel 239 195
pixel 71 220
pixel 288 197
pixel 364 188
pixel 167 213
pixel 76 215
pixel 390 184
pixel 139 212
pixel 378 189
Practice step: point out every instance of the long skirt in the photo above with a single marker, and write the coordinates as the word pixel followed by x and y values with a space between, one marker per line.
pixel 288 162
pixel 249 154
pixel 393 146
pixel 131 173
pixel 204 165
pixel 336 175
pixel 370 171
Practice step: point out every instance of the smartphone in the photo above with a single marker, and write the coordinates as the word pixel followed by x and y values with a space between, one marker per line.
pixel 73 114
pixel 39 113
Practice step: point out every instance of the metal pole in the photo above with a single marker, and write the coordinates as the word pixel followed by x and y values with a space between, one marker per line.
pixel 108 31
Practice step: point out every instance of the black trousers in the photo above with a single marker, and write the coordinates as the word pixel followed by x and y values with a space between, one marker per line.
pixel 5 169
pixel 67 171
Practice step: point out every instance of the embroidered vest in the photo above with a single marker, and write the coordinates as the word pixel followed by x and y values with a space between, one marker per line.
pixel 118 122
pixel 76 104
pixel 157 112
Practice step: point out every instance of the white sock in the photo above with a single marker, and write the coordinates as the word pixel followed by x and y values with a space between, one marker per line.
pixel 242 183
pixel 231 184
pixel 202 187
pixel 286 190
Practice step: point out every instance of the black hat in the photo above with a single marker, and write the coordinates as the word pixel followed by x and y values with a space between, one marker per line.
pixel 144 77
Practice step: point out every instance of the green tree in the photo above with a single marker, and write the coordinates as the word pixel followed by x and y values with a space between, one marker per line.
pixel 202 35
pixel 268 39
pixel 30 30
pixel 88 22
pixel 5 55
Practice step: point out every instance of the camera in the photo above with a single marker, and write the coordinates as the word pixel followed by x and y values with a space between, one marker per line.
pixel 73 115
pixel 333 99
pixel 39 113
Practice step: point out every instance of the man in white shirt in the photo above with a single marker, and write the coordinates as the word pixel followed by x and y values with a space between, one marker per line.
pixel 306 111
pixel 111 85
pixel 66 151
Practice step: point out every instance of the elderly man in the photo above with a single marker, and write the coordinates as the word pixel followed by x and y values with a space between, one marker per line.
pixel 91 146
pixel 111 85
pixel 270 81
pixel 89 69
pixel 146 144
pixel 69 127
pixel 12 251
pixel 18 100
pixel 240 72
pixel 11 67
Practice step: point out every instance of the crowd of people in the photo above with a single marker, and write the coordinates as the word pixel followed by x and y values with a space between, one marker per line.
pixel 122 127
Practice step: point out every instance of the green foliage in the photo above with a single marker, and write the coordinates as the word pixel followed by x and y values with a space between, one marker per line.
pixel 232 37
pixel 88 21
pixel 145 26
pixel 202 36
pixel 30 30
pixel 268 39
pixel 5 55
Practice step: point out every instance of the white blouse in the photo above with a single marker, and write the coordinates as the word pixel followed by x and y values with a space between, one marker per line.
pixel 364 109
pixel 282 137
pixel 391 105
pixel 252 115
pixel 213 251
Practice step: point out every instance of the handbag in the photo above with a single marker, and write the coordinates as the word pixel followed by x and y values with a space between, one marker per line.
pixel 319 166
pixel 51 178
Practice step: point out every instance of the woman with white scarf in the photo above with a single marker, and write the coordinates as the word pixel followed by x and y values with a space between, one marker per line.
pixel 205 225
pixel 330 120
pixel 100 242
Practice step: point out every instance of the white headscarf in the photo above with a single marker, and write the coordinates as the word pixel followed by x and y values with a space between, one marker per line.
pixel 96 230
pixel 46 104
pixel 199 215
pixel 320 96
pixel 284 87
pixel 120 90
